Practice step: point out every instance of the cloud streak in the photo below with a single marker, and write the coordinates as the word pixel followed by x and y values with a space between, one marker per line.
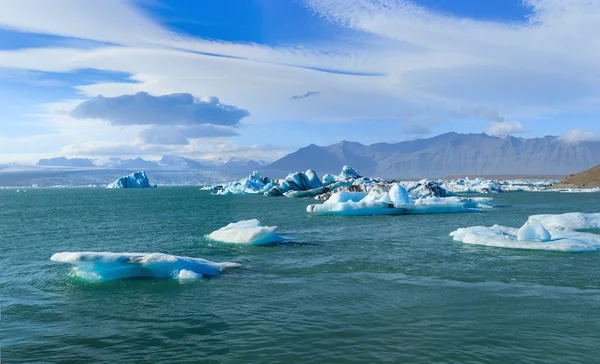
pixel 306 95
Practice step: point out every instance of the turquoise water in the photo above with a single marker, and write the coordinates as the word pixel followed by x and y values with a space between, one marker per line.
pixel 344 289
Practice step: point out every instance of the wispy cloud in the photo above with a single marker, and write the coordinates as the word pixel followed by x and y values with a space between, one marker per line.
pixel 303 96
pixel 580 135
pixel 505 128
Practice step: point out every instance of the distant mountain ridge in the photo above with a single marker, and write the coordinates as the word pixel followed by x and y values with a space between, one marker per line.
pixel 448 154
pixel 66 162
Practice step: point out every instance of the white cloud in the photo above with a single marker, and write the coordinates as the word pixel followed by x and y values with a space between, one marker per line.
pixel 505 128
pixel 427 62
pixel 580 135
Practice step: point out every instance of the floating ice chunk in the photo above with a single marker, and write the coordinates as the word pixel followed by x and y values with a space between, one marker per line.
pixel 346 197
pixel 541 232
pixel 533 230
pixel 504 237
pixel 246 232
pixel 349 172
pixel 570 221
pixel 313 179
pixel 399 195
pixel 376 203
pixel 307 193
pixel 188 274
pixel 134 180
pixel 108 266
pixel 329 179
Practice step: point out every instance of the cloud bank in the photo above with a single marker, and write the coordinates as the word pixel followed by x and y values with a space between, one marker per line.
pixel 173 109
pixel 505 128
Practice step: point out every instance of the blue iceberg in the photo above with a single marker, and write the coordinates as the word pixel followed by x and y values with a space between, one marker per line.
pixel 134 180
pixel 110 266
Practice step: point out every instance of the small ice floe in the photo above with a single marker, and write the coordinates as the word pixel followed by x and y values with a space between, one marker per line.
pixel 249 232
pixel 540 232
pixel 21 191
pixel 109 266
pixel 394 201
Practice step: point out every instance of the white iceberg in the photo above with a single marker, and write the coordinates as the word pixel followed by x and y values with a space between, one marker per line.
pixel 110 266
pixel 349 172
pixel 533 230
pixel 481 185
pixel 394 201
pixel 134 180
pixel 540 232
pixel 249 232
pixel 570 221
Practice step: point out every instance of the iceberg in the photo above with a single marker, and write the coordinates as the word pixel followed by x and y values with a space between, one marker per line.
pixel 249 232
pixel 570 221
pixel 110 266
pixel 308 184
pixel 134 180
pixel 395 200
pixel 540 232
pixel 349 172
pixel 533 230
pixel 298 184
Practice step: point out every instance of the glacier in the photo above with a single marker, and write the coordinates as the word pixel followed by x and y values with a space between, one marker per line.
pixel 395 200
pixel 250 232
pixel 111 266
pixel 134 180
pixel 561 233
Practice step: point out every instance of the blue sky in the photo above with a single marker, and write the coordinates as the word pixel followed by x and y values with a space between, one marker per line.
pixel 369 70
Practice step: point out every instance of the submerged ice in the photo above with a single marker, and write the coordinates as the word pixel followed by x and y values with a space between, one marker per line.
pixel 540 232
pixel 246 232
pixel 110 266
pixel 395 200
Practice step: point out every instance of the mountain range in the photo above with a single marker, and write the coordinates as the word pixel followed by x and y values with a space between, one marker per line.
pixel 444 155
pixel 448 154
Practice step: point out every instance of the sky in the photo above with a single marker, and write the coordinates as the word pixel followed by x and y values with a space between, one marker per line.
pixel 258 79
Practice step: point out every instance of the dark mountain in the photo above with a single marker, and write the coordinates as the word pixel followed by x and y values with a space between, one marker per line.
pixel 448 154
pixel 66 162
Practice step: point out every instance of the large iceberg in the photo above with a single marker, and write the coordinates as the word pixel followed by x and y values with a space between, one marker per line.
pixel 134 180
pixel 298 184
pixel 395 200
pixel 308 184
pixel 540 232
pixel 249 232
pixel 109 266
